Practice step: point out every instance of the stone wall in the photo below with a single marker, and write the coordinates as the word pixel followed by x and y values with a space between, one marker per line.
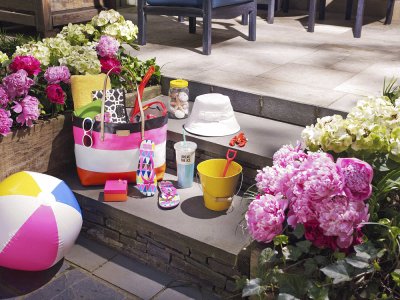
pixel 183 258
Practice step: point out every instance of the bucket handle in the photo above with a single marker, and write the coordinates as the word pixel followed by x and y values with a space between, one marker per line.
pixel 221 199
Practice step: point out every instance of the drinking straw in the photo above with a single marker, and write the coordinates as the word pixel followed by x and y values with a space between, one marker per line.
pixel 184 136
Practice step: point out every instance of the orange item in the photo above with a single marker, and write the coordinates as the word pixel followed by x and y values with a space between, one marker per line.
pixel 116 190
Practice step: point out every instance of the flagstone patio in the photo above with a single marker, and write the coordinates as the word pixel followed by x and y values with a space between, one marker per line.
pixel 328 68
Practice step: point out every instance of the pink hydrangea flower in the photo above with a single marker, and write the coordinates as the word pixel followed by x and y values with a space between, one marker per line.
pixel 17 84
pixel 3 97
pixel 58 74
pixel 340 216
pixel 28 63
pixel 357 178
pixel 5 122
pixel 107 46
pixel 28 110
pixel 265 217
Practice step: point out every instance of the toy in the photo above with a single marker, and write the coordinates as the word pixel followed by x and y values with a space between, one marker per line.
pixel 116 190
pixel 40 220
pixel 239 140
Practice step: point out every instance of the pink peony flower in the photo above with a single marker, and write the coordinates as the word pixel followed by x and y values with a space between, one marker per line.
pixel 317 177
pixel 357 178
pixel 265 217
pixel 301 210
pixel 340 216
pixel 289 156
pixel 28 63
pixel 55 94
pixel 17 84
pixel 314 234
pixel 109 63
pixel 107 46
pixel 58 74
pixel 5 122
pixel 28 110
pixel 3 97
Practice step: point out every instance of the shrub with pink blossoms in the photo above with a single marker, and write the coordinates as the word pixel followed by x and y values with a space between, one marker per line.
pixel 319 193
pixel 4 99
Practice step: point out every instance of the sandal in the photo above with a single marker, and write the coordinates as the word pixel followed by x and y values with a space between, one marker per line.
pixel 146 180
pixel 168 197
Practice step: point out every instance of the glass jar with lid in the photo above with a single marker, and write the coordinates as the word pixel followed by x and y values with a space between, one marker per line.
pixel 178 107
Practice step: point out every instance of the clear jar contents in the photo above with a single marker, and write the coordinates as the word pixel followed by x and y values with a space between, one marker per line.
pixel 178 107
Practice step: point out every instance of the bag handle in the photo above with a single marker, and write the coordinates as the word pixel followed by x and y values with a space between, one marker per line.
pixel 139 102
pixel 142 85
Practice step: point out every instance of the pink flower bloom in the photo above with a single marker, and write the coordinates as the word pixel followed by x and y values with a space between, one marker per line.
pixel 301 210
pixel 265 217
pixel 314 234
pixel 57 74
pixel 55 94
pixel 357 178
pixel 28 63
pixel 17 84
pixel 340 216
pixel 107 46
pixel 5 122
pixel 3 97
pixel 109 63
pixel 317 177
pixel 28 110
pixel 289 156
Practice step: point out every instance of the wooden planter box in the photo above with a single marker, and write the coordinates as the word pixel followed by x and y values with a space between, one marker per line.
pixel 45 147
pixel 46 14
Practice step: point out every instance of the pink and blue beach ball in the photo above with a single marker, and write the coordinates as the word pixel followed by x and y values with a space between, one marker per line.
pixel 40 220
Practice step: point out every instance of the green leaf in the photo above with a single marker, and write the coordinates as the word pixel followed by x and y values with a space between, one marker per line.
pixel 366 251
pixel 396 276
pixel 321 260
pixel 291 252
pixel 339 255
pixel 310 266
pixel 318 293
pixel 284 296
pixel 304 246
pixel 293 284
pixel 281 240
pixel 298 232
pixel 339 271
pixel 253 287
pixel 357 262
pixel 267 255
pixel 384 221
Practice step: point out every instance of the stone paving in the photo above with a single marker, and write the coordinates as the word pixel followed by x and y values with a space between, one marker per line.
pixel 92 271
pixel 327 68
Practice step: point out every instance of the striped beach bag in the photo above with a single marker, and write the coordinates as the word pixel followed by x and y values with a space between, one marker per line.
pixel 112 151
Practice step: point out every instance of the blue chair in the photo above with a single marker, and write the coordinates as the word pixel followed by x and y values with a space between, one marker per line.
pixel 205 9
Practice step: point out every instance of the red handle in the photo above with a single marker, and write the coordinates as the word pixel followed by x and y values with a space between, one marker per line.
pixel 142 85
pixel 230 156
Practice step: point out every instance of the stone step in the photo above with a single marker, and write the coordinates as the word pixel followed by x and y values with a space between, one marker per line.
pixel 189 242
pixel 259 104
pixel 265 136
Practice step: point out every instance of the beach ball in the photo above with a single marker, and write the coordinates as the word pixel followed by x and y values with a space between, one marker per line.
pixel 40 220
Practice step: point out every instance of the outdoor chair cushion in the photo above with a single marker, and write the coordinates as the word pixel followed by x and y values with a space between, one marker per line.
pixel 194 3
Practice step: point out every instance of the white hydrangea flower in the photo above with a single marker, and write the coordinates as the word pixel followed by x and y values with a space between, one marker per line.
pixel 82 60
pixel 39 50
pixel 3 57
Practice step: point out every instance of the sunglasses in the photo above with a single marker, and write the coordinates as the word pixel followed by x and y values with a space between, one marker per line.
pixel 87 126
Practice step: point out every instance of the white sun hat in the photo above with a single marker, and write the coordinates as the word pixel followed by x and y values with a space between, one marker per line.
pixel 212 115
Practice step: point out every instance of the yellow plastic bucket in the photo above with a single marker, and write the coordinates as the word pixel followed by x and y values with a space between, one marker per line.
pixel 218 191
